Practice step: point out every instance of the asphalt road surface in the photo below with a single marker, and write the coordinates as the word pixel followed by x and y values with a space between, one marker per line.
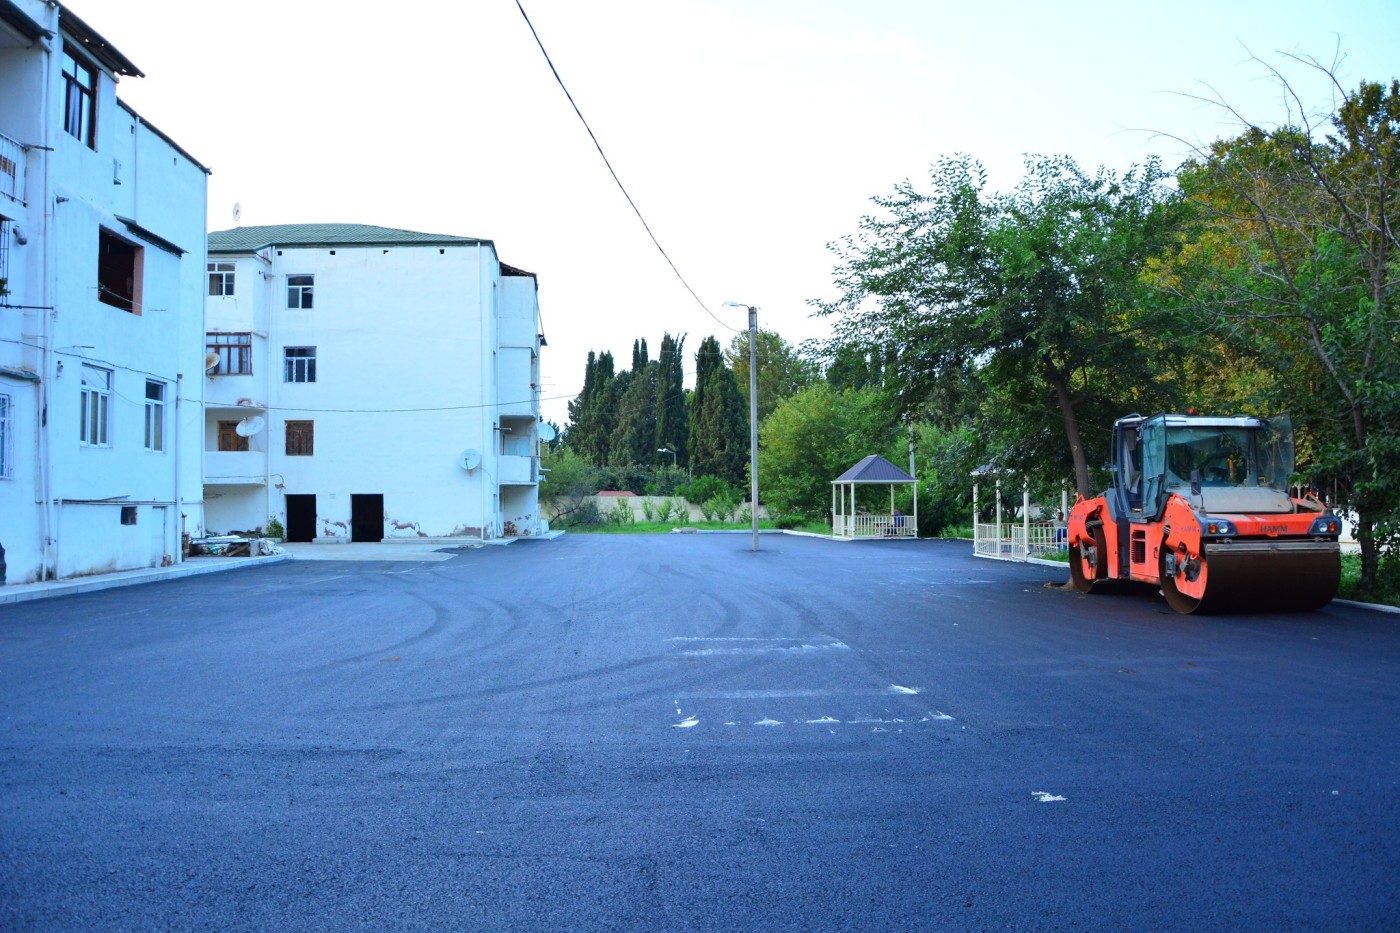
pixel 673 732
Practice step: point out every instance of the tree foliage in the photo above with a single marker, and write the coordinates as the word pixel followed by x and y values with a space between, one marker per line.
pixel 1295 260
pixel 782 369
pixel 1037 287
pixel 813 437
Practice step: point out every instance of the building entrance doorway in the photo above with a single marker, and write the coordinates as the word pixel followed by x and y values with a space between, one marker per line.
pixel 301 517
pixel 366 517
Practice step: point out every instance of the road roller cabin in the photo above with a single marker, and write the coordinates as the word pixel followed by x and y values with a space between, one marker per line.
pixel 1200 507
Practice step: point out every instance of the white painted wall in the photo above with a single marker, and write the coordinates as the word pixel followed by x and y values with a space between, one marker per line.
pixel 64 491
pixel 408 375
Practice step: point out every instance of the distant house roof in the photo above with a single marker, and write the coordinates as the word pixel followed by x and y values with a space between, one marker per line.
pixel 874 469
pixel 251 239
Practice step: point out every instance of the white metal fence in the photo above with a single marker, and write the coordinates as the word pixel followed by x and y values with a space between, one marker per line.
pixel 1018 541
pixel 873 526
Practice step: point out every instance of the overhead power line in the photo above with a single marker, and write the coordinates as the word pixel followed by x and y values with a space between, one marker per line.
pixel 621 187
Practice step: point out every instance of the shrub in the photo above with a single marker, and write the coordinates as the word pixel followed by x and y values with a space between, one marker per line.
pixel 705 488
pixel 787 522
pixel 274 529
pixel 621 513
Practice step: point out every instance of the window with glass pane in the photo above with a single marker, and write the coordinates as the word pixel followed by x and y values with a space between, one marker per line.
pixel 235 353
pixel 96 399
pixel 79 98
pixel 301 438
pixel 155 415
pixel 299 289
pixel 299 364
pixel 220 279
pixel 7 432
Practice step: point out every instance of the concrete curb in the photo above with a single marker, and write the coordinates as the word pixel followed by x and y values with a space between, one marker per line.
pixel 24 592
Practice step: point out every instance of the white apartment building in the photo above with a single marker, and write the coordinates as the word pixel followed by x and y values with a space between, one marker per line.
pixel 102 276
pixel 367 383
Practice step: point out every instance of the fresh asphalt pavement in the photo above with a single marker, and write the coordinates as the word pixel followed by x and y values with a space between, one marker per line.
pixel 675 732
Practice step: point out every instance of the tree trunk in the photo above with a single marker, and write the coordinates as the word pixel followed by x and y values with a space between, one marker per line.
pixel 1060 383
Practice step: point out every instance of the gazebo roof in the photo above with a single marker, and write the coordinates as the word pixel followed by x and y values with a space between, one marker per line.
pixel 874 469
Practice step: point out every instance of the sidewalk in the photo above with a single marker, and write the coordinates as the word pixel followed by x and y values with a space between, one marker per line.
pixel 23 592
pixel 398 549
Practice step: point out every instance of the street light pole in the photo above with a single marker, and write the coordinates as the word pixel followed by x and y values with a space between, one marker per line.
pixel 667 450
pixel 753 412
pixel 753 417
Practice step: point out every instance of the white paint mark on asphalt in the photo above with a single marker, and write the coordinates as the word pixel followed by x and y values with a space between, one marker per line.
pixel 1044 797
pixel 772 648
pixel 941 716
pixel 689 722
pixel 765 721
pixel 907 691
pixel 822 721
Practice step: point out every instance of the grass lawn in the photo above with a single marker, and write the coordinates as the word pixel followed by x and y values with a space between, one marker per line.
pixel 652 528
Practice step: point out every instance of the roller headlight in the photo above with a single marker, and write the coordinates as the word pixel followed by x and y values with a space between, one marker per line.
pixel 1326 525
pixel 1221 527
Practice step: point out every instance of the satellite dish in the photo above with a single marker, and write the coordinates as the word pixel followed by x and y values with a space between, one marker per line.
pixel 469 459
pixel 237 211
pixel 547 432
pixel 250 426
pixel 211 362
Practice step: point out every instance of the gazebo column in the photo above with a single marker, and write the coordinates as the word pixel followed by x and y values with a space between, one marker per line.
pixel 998 513
pixel 1026 518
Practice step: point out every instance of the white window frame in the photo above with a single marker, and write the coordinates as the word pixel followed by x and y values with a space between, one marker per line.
pixel 300 294
pixel 155 415
pixel 7 433
pixel 95 414
pixel 221 279
pixel 298 364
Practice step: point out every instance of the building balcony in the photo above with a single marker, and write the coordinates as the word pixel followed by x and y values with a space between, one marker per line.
pixel 518 400
pixel 517 471
pixel 235 468
pixel 12 166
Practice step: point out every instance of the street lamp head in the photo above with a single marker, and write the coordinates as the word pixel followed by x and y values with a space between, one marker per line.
pixel 663 450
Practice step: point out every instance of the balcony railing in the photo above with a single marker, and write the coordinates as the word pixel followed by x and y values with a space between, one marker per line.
pixel 12 164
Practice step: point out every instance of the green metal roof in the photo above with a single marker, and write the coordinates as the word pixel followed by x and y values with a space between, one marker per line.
pixel 250 239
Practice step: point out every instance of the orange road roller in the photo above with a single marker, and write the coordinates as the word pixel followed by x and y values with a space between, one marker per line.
pixel 1200 507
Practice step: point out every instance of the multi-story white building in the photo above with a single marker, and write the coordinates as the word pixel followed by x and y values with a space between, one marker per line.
pixel 368 383
pixel 102 275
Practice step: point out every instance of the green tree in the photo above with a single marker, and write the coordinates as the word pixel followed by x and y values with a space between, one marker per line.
pixel 816 435
pixel 672 427
pixel 1039 288
pixel 782 370
pixel 719 424
pixel 634 436
pixel 1295 261
pixel 568 483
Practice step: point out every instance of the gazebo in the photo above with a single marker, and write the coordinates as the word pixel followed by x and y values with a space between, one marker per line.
pixel 847 522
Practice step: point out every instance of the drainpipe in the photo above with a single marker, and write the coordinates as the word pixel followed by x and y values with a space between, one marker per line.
pixel 179 526
pixel 48 560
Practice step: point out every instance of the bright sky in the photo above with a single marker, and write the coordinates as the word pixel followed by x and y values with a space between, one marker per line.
pixel 751 133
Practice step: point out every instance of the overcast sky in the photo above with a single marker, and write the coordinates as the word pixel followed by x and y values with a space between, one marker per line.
pixel 750 133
